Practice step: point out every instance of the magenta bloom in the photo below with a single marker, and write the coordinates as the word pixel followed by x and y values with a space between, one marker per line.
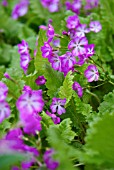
pixel 4 2
pixel 80 60
pixel 55 61
pixel 46 50
pixel 20 9
pixel 30 102
pixel 81 30
pixel 50 32
pixel 91 73
pixel 31 123
pixel 90 4
pixel 23 48
pixel 74 6
pixel 76 87
pixel 6 75
pixel 50 163
pixel 24 62
pixel 90 50
pixel 68 60
pixel 58 105
pixel 40 80
pixel 51 5
pixel 55 119
pixel 3 91
pixel 77 45
pixel 95 26
pixel 4 110
pixel 72 21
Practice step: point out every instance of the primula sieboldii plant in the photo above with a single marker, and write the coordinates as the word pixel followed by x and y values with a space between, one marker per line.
pixel 58 65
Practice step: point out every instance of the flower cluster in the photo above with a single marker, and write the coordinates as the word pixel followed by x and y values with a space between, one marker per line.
pixel 90 4
pixel 4 106
pixel 79 50
pixel 20 9
pixel 25 58
pixel 75 6
pixel 51 5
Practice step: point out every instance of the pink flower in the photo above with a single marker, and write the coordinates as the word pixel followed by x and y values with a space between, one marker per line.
pixel 3 91
pixel 4 110
pixel 30 102
pixel 40 80
pixel 77 45
pixel 76 86
pixel 58 105
pixel 23 48
pixel 95 26
pixel 72 21
pixel 91 73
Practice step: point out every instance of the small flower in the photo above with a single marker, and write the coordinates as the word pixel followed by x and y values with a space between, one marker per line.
pixel 95 26
pixel 91 73
pixel 50 32
pixel 74 6
pixel 81 30
pixel 27 89
pixel 90 50
pixel 40 80
pixel 3 91
pixel 72 21
pixel 5 3
pixel 20 9
pixel 23 48
pixel 76 87
pixel 6 75
pixel 58 105
pixel 4 111
pixel 52 5
pixel 30 102
pixel 90 4
pixel 55 119
pixel 77 45
pixel 24 62
pixel 46 50
pixel 31 123
pixel 55 61
pixel 68 60
pixel 50 163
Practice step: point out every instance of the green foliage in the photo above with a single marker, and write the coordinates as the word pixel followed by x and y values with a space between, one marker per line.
pixel 107 106
pixel 11 159
pixel 64 152
pixel 100 140
pixel 66 90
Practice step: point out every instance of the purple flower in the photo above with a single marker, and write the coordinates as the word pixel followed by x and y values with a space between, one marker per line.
pixel 52 5
pixel 90 4
pixel 90 50
pixel 95 26
pixel 23 48
pixel 31 123
pixel 30 102
pixel 4 110
pixel 3 91
pixel 68 60
pixel 56 43
pixel 77 45
pixel 55 119
pixel 50 163
pixel 50 32
pixel 76 86
pixel 55 61
pixel 27 89
pixel 20 9
pixel 81 30
pixel 40 80
pixel 80 60
pixel 74 6
pixel 91 73
pixel 4 3
pixel 58 105
pixel 72 21
pixel 15 134
pixel 6 75
pixel 24 62
pixel 46 50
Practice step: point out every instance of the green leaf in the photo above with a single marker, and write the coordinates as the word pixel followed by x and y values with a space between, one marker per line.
pixel 8 160
pixel 100 141
pixel 107 106
pixel 66 90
